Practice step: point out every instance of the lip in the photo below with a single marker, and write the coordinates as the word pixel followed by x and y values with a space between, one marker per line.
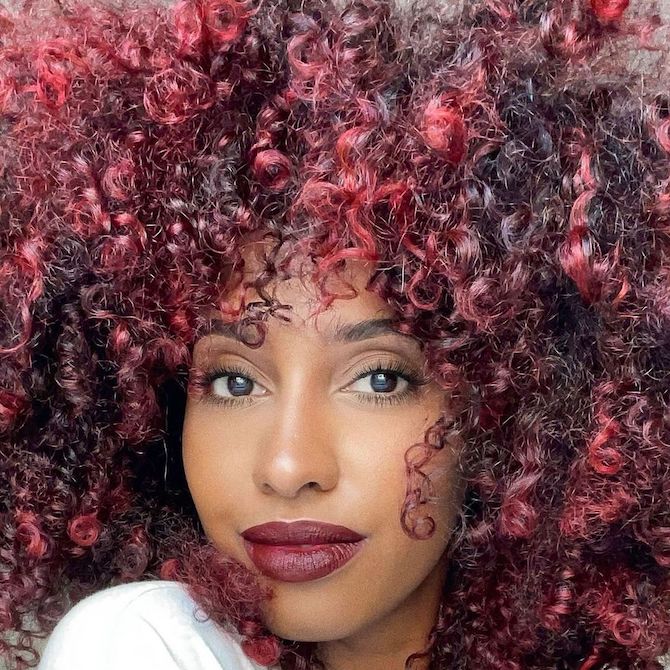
pixel 300 532
pixel 300 551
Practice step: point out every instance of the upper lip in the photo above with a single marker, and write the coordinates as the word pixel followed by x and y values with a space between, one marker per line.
pixel 300 532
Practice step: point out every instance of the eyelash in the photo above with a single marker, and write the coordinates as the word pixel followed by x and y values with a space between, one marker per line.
pixel 414 382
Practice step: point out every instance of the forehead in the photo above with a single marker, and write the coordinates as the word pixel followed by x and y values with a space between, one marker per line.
pixel 291 305
pixel 302 297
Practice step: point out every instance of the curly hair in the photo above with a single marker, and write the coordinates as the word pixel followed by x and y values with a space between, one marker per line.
pixel 510 178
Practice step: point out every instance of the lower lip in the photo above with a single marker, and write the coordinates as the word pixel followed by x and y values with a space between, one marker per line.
pixel 300 563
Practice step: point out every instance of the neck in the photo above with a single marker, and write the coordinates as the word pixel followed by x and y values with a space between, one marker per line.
pixel 387 642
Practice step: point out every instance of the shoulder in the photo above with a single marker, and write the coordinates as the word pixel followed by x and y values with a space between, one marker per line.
pixel 141 625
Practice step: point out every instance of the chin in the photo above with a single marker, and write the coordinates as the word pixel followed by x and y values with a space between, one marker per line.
pixel 317 628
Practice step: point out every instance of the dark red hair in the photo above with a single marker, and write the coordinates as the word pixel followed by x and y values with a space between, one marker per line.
pixel 513 187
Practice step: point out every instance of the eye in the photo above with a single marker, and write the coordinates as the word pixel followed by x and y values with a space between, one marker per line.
pixel 381 381
pixel 233 383
pixel 233 386
pixel 387 383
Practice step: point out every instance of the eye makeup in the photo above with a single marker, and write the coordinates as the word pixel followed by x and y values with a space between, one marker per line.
pixel 203 383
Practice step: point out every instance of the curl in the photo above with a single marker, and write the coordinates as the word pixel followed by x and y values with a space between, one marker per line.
pixel 444 131
pixel 609 10
pixel 177 94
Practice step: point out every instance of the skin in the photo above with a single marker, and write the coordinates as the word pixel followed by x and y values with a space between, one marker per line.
pixel 303 443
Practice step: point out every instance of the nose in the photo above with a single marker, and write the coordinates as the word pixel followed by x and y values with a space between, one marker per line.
pixel 299 446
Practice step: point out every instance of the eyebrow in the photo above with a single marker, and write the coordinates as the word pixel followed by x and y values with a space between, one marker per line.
pixel 346 333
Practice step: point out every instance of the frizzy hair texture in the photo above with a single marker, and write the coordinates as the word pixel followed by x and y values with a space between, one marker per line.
pixel 513 188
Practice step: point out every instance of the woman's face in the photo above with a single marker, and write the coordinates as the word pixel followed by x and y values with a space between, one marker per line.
pixel 304 428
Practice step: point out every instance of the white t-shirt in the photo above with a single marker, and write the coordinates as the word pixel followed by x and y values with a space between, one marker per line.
pixel 142 626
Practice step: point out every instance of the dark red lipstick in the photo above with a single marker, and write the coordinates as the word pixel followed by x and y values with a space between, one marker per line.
pixel 300 551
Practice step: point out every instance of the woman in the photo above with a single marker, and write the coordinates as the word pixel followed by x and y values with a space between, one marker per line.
pixel 335 337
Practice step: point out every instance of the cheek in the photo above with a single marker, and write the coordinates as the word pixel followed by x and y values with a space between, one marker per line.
pixel 443 488
pixel 211 463
pixel 374 470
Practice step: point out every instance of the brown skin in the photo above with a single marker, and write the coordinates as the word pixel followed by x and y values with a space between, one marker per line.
pixel 303 443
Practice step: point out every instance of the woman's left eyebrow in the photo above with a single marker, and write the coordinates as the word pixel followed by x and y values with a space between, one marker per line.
pixel 365 330
pixel 346 332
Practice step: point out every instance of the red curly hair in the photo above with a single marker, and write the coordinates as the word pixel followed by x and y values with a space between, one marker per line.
pixel 512 186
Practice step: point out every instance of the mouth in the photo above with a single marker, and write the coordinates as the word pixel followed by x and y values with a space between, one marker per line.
pixel 300 551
